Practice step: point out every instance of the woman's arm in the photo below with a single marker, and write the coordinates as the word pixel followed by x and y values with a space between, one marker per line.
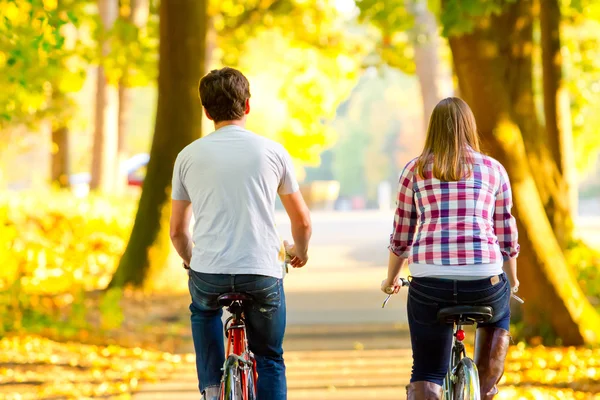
pixel 510 269
pixel 505 227
pixel 395 265
pixel 405 225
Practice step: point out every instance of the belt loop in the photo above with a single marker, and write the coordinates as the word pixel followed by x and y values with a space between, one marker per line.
pixel 232 283
pixel 455 292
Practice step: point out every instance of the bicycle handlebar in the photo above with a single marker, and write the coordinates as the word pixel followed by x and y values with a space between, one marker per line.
pixel 404 282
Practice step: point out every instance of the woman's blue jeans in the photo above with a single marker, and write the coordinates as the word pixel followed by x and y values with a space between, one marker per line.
pixel 265 325
pixel 431 339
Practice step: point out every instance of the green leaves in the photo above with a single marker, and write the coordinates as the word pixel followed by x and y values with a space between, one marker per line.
pixel 33 39
pixel 461 16
pixel 390 16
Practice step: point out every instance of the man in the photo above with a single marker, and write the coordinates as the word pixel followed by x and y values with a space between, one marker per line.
pixel 230 180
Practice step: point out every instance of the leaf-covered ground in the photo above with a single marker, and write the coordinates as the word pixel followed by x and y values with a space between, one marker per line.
pixel 33 367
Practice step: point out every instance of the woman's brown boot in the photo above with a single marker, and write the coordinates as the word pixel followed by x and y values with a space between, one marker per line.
pixel 423 390
pixel 491 346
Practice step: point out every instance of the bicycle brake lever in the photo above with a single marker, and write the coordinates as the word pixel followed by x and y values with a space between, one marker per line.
pixel 386 300
pixel 517 298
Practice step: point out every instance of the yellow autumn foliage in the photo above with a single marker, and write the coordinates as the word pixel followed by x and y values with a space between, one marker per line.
pixel 54 242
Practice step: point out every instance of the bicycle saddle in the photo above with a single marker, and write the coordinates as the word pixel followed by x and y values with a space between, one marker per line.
pixel 228 299
pixel 465 315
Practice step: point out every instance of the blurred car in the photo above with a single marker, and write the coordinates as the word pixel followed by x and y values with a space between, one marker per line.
pixel 135 167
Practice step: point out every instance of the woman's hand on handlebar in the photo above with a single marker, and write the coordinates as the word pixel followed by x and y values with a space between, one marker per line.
pixel 392 287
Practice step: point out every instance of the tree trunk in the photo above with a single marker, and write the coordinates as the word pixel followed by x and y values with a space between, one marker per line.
pixel 558 121
pixel 548 179
pixel 554 301
pixel 178 122
pixel 60 157
pixel 104 156
pixel 519 49
pixel 429 67
pixel 138 15
pixel 125 97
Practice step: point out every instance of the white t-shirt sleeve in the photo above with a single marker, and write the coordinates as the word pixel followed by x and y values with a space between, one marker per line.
pixel 288 183
pixel 178 190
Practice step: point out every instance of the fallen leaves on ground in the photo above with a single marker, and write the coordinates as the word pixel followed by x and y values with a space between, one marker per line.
pixel 541 373
pixel 32 367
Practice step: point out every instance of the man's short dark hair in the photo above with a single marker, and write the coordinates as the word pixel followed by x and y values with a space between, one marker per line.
pixel 223 92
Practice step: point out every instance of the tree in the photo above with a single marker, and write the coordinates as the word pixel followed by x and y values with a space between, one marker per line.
pixel 34 58
pixel 372 123
pixel 40 64
pixel 147 249
pixel 428 64
pixel 182 30
pixel 60 162
pixel 558 121
pixel 485 64
pixel 67 80
pixel 139 11
pixel 411 42
pixel 580 39
pixel 104 156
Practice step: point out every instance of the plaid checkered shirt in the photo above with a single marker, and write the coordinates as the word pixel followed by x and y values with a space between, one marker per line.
pixel 467 222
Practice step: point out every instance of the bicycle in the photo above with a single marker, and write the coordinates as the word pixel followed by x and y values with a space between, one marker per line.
pixel 462 378
pixel 239 371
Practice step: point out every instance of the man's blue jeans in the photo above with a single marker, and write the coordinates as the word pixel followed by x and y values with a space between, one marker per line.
pixel 265 325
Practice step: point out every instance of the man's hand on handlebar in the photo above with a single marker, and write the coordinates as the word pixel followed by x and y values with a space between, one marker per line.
pixel 295 260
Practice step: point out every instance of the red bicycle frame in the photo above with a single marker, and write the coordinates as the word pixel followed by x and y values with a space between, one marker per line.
pixel 237 341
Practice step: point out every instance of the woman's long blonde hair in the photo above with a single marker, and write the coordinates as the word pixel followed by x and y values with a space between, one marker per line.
pixel 452 129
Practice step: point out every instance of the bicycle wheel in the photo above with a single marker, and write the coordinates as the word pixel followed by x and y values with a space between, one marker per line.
pixel 251 386
pixel 447 387
pixel 231 385
pixel 466 386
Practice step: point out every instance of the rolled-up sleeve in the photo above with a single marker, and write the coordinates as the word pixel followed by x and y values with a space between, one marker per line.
pixel 405 219
pixel 505 225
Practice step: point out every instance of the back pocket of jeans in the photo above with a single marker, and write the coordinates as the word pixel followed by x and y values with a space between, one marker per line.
pixel 267 297
pixel 500 304
pixel 421 309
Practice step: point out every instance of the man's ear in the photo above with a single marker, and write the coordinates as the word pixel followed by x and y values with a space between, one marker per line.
pixel 207 114
pixel 247 111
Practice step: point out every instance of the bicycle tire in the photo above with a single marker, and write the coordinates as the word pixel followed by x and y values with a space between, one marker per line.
pixel 251 385
pixel 466 386
pixel 447 387
pixel 231 384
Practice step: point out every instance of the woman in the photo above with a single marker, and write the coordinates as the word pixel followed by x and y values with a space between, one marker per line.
pixel 454 225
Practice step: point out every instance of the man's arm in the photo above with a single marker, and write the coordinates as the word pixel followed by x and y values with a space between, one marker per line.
pixel 181 215
pixel 299 215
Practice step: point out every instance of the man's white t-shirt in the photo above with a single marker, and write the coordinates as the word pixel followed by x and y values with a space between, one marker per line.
pixel 232 178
